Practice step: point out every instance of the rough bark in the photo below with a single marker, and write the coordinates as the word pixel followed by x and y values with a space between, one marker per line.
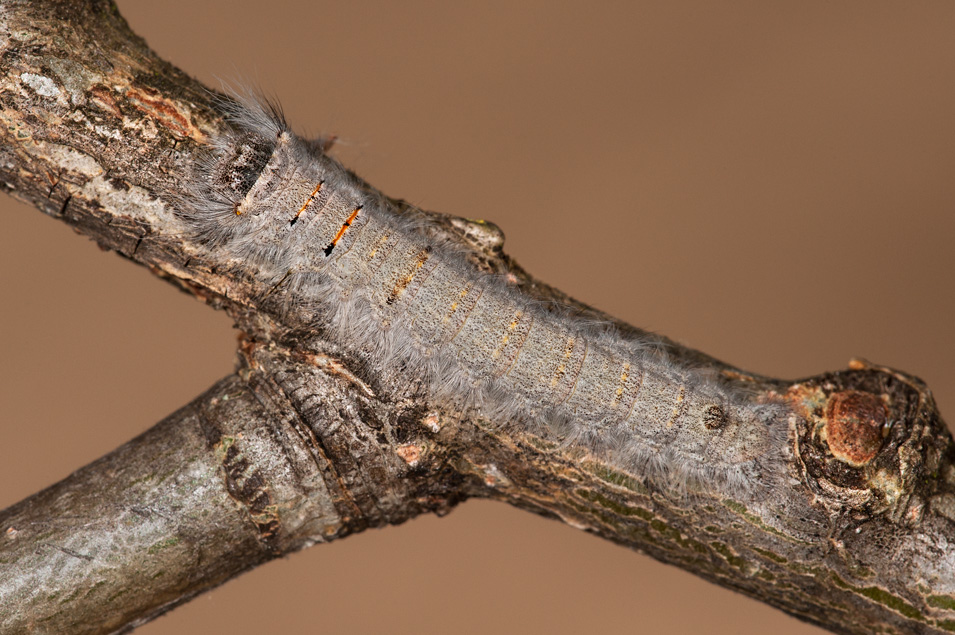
pixel 300 447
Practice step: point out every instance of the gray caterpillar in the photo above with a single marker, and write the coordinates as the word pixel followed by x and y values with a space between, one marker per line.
pixel 402 298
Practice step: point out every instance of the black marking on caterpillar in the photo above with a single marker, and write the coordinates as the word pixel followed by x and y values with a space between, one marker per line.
pixel 407 302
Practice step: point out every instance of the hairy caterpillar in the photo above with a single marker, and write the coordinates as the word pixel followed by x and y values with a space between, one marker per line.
pixel 400 297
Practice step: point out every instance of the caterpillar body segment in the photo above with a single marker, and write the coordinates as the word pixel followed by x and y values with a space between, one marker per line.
pixel 403 299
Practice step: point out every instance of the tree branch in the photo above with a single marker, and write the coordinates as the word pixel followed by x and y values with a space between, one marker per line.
pixel 302 446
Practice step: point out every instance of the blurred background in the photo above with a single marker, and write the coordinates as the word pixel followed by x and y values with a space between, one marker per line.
pixel 771 183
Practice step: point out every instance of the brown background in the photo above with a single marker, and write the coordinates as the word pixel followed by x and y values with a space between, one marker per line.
pixel 769 182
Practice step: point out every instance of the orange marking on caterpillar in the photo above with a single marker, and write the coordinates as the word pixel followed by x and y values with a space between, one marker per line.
pixel 522 337
pixel 624 376
pixel 467 315
pixel 402 284
pixel 308 202
pixel 454 305
pixel 381 241
pixel 507 336
pixel 678 406
pixel 341 232
pixel 562 368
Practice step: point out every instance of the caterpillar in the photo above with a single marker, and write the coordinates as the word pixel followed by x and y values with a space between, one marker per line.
pixel 400 297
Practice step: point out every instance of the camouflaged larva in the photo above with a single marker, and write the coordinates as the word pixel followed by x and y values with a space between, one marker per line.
pixel 403 299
